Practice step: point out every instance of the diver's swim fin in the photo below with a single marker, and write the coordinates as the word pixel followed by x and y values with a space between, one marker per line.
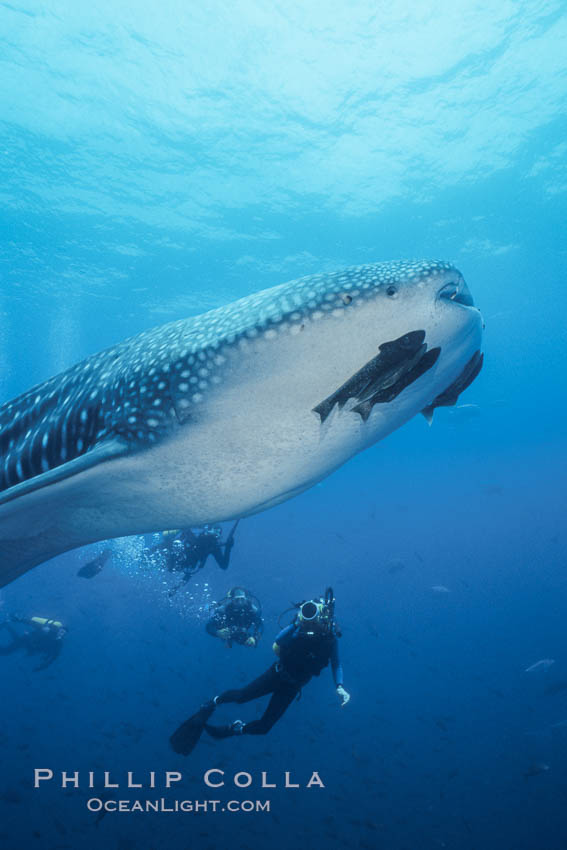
pixel 93 568
pixel 184 739
pixel 230 538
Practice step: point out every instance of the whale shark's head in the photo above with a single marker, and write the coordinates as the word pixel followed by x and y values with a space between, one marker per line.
pixel 372 344
pixel 390 299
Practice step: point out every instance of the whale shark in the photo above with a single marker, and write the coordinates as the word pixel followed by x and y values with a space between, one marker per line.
pixel 223 415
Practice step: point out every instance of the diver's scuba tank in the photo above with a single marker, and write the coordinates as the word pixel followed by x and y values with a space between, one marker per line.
pixel 178 550
pixel 43 621
pixel 53 626
pixel 330 603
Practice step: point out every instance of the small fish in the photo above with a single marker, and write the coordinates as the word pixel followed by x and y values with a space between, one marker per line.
pixel 373 630
pixel 541 666
pixel 463 413
pixel 10 796
pixel 536 768
pixel 442 722
pixel 556 688
pixel 440 588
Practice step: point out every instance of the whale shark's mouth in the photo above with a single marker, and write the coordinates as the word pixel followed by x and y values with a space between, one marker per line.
pixel 458 292
pixel 397 365
pixel 450 396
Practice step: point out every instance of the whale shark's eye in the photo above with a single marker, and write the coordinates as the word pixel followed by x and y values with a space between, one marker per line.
pixel 346 298
pixel 392 291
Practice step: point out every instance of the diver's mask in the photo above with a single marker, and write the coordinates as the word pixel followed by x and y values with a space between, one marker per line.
pixel 237 597
pixel 238 602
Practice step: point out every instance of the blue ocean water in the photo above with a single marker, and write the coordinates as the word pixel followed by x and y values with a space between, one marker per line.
pixel 161 159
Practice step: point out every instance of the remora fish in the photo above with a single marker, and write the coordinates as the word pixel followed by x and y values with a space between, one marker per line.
pixel 540 666
pixel 226 414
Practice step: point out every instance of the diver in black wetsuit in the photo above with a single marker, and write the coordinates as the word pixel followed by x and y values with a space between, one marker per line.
pixel 45 637
pixel 187 552
pixel 303 648
pixel 237 618
pixel 92 568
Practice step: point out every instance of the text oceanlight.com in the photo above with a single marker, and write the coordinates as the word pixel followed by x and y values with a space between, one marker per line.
pixel 95 804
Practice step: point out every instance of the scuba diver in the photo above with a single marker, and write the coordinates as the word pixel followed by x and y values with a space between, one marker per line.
pixel 303 648
pixel 187 552
pixel 93 568
pixel 237 618
pixel 45 637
